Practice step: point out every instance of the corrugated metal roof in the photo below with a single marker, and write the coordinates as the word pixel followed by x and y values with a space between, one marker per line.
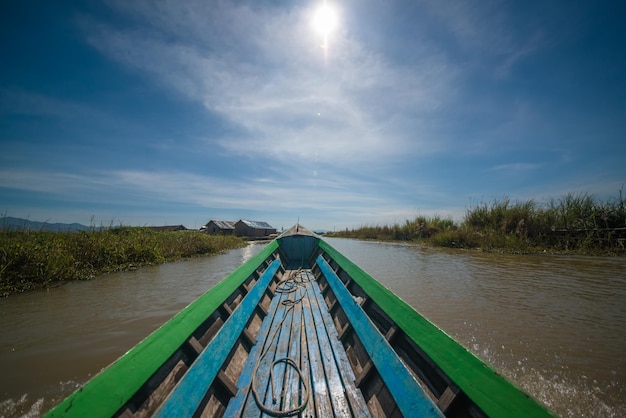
pixel 223 224
pixel 257 224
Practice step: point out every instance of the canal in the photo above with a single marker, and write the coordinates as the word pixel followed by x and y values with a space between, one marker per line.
pixel 554 325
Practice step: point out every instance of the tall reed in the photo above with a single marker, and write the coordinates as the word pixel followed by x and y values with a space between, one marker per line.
pixel 573 223
pixel 419 228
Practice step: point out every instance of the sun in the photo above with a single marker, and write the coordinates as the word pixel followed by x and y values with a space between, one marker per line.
pixel 325 20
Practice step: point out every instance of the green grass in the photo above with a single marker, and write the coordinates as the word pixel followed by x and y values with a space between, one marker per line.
pixel 574 223
pixel 35 259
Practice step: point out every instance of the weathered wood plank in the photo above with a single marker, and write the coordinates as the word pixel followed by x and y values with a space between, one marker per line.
pixel 345 376
pixel 295 389
pixel 295 328
pixel 236 405
pixel 305 362
pixel 162 391
pixel 116 385
pixel 229 385
pixel 191 389
pixel 280 359
pixel 195 344
pixel 273 400
pixel 259 368
pixel 333 373
pixel 407 392
pixel 319 386
pixel 446 399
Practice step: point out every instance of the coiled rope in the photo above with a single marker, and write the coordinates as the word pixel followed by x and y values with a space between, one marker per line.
pixel 289 285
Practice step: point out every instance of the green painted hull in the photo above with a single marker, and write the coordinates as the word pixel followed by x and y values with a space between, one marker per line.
pixel 484 391
pixel 496 396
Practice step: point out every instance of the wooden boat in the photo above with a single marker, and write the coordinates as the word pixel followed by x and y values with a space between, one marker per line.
pixel 298 330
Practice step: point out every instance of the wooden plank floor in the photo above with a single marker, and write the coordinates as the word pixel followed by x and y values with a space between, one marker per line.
pixel 298 365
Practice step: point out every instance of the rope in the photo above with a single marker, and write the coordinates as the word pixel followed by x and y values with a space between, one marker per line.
pixel 289 285
pixel 278 412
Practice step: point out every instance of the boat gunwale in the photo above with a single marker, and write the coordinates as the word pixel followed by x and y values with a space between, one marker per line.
pixel 114 386
pixel 409 395
pixel 190 390
pixel 491 392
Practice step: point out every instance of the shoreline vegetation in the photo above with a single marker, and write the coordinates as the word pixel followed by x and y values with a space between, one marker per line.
pixel 32 260
pixel 575 224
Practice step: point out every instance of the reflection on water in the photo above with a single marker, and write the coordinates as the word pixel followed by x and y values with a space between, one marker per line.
pixel 554 325
pixel 249 251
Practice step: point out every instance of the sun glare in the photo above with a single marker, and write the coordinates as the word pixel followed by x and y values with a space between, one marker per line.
pixel 325 20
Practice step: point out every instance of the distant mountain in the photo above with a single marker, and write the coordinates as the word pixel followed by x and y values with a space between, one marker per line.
pixel 19 224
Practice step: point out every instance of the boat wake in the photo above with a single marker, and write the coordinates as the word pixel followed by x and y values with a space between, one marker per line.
pixel 563 392
pixel 27 406
pixel 22 407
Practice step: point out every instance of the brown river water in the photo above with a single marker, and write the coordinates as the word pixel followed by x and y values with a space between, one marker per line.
pixel 554 325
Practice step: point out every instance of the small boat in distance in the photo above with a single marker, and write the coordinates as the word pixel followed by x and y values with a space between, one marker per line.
pixel 298 330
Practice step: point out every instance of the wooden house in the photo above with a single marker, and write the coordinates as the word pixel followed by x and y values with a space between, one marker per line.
pixel 253 229
pixel 215 227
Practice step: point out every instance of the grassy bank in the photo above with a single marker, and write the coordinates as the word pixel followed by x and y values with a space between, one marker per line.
pixel 35 259
pixel 574 224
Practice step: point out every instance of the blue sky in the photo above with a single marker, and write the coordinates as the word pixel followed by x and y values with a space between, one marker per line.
pixel 177 112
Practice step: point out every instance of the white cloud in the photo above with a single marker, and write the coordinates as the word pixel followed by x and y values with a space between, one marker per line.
pixel 264 71
pixel 141 187
pixel 61 184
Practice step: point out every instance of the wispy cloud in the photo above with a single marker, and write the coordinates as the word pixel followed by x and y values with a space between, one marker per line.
pixel 232 107
pixel 516 168
pixel 266 73
pixel 133 187
pixel 491 34
pixel 17 101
